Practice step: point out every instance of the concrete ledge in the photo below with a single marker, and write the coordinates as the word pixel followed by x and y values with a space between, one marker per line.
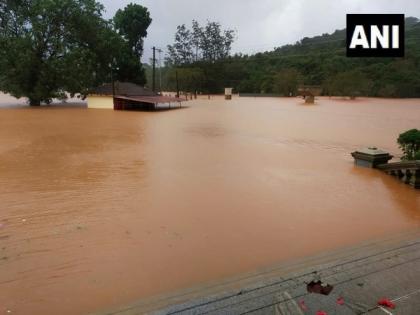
pixel 361 275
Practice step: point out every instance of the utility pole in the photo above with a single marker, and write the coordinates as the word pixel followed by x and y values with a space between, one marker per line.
pixel 177 84
pixel 112 63
pixel 160 69
pixel 112 81
pixel 154 69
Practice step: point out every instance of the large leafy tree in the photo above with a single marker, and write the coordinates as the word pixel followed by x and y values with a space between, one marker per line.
pixel 52 47
pixel 207 43
pixel 132 23
pixel 409 142
pixel 216 43
pixel 47 47
pixel 181 52
pixel 197 51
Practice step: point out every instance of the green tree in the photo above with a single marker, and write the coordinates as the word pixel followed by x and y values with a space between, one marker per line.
pixel 132 23
pixel 350 83
pixel 216 43
pixel 53 47
pixel 409 142
pixel 196 39
pixel 190 79
pixel 43 44
pixel 320 60
pixel 208 43
pixel 286 82
pixel 181 52
pixel 127 65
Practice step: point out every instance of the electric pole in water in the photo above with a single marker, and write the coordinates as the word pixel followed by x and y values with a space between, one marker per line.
pixel 177 84
pixel 160 69
pixel 111 64
pixel 154 69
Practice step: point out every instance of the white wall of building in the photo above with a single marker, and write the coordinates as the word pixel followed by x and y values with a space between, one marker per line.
pixel 100 102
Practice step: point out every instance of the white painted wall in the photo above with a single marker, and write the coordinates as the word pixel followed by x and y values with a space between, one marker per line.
pixel 100 102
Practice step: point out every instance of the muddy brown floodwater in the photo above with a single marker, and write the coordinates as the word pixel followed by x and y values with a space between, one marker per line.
pixel 101 208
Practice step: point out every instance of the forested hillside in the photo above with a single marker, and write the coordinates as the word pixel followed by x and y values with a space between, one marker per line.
pixel 320 60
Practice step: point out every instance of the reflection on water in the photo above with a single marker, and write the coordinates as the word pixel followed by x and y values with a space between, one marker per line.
pixel 101 208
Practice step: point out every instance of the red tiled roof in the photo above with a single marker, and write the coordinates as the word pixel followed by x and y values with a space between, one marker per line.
pixel 123 88
pixel 156 99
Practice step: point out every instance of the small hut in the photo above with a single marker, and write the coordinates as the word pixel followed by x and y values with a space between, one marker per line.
pixel 228 93
pixel 308 92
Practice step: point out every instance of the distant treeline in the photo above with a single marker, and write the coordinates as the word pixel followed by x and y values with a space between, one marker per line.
pixel 320 60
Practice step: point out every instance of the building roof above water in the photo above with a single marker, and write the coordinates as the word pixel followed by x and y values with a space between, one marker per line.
pixel 372 151
pixel 154 99
pixel 123 89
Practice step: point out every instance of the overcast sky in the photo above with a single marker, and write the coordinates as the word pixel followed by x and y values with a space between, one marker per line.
pixel 261 25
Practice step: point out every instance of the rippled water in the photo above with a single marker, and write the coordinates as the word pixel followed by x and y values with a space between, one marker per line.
pixel 100 208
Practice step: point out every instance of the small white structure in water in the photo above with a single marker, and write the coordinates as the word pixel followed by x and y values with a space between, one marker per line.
pixel 228 93
pixel 371 157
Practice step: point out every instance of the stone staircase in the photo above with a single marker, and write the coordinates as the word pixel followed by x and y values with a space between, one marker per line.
pixel 408 172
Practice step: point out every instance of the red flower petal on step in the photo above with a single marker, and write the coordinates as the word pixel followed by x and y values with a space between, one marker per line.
pixel 321 313
pixel 303 306
pixel 340 301
pixel 386 303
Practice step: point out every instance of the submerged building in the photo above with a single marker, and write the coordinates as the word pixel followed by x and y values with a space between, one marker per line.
pixel 127 96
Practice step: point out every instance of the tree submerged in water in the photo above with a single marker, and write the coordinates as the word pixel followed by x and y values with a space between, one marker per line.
pixel 49 48
pixel 409 142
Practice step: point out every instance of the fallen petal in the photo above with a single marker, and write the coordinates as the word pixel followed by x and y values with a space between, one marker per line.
pixel 303 306
pixel 386 303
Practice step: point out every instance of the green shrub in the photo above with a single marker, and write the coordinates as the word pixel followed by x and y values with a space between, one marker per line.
pixel 409 142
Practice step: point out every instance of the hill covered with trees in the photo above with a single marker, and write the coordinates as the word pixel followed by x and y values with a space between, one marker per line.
pixel 319 60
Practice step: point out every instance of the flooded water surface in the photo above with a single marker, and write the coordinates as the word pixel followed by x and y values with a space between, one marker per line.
pixel 101 208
